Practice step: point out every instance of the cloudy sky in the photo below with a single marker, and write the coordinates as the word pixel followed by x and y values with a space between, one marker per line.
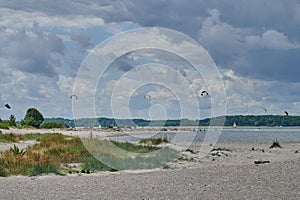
pixel 255 45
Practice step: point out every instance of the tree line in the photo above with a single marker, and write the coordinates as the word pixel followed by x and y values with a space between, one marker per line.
pixel 34 118
pixel 240 120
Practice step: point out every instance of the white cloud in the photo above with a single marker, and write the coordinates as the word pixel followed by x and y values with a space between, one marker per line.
pixel 65 84
pixel 250 96
pixel 16 19
pixel 270 39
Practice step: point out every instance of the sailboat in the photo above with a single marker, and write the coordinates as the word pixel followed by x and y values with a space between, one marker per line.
pixel 234 125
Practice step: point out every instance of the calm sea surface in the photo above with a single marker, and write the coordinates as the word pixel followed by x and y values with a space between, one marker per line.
pixel 284 134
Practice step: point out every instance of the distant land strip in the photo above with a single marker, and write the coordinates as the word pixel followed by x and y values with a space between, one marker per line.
pixel 239 120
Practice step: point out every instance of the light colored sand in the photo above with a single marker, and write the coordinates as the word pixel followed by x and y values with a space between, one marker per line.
pixel 237 154
pixel 231 175
pixel 278 180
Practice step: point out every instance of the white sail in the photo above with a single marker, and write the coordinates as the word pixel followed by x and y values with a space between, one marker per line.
pixel 234 125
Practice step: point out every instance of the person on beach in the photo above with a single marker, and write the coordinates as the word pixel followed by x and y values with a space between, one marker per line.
pixel 91 134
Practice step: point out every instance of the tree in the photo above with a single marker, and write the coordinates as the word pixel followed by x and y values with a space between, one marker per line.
pixel 12 120
pixel 33 118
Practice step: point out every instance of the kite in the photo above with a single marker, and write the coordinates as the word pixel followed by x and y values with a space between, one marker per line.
pixel 147 96
pixel 74 95
pixel 265 110
pixel 204 92
pixel 286 114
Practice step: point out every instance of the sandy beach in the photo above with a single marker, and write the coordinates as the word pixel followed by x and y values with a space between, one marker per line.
pixel 279 180
pixel 227 172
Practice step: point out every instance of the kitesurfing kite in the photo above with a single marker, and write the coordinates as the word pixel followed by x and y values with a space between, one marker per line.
pixel 204 92
pixel 7 106
pixel 265 110
pixel 286 114
pixel 147 96
pixel 74 95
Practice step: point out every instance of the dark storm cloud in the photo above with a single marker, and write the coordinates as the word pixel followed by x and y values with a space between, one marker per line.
pixel 223 27
pixel 270 64
pixel 34 51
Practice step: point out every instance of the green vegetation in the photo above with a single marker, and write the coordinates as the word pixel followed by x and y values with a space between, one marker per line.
pixel 56 153
pixel 275 144
pixel 16 151
pixel 154 141
pixel 10 138
pixel 240 120
pixel 67 122
pixel 49 125
pixel 5 124
pixel 12 121
pixel 126 155
pixel 262 120
pixel 32 118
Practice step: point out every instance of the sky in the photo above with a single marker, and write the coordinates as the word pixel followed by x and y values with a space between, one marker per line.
pixel 255 46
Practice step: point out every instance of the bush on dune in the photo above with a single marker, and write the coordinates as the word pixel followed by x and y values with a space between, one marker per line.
pixel 49 125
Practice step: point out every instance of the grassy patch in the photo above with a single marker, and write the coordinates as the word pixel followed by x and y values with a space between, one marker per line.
pixel 16 151
pixel 275 144
pixel 10 138
pixel 2 171
pixel 42 137
pixel 39 169
pixel 55 151
pixel 120 156
pixel 154 141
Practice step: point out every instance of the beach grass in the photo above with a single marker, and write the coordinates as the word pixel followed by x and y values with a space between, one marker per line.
pixel 125 155
pixel 54 152
pixel 275 144
pixel 154 141
pixel 10 138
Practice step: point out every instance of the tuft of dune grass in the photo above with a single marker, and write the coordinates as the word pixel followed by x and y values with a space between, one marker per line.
pixel 56 150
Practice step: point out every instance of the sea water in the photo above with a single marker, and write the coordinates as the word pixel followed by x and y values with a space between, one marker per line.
pixel 250 134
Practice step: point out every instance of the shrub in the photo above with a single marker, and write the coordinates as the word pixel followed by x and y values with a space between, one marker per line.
pixel 49 125
pixel 33 118
pixel 4 125
pixel 2 171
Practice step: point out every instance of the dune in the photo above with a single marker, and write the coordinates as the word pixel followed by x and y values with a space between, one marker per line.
pixel 228 171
